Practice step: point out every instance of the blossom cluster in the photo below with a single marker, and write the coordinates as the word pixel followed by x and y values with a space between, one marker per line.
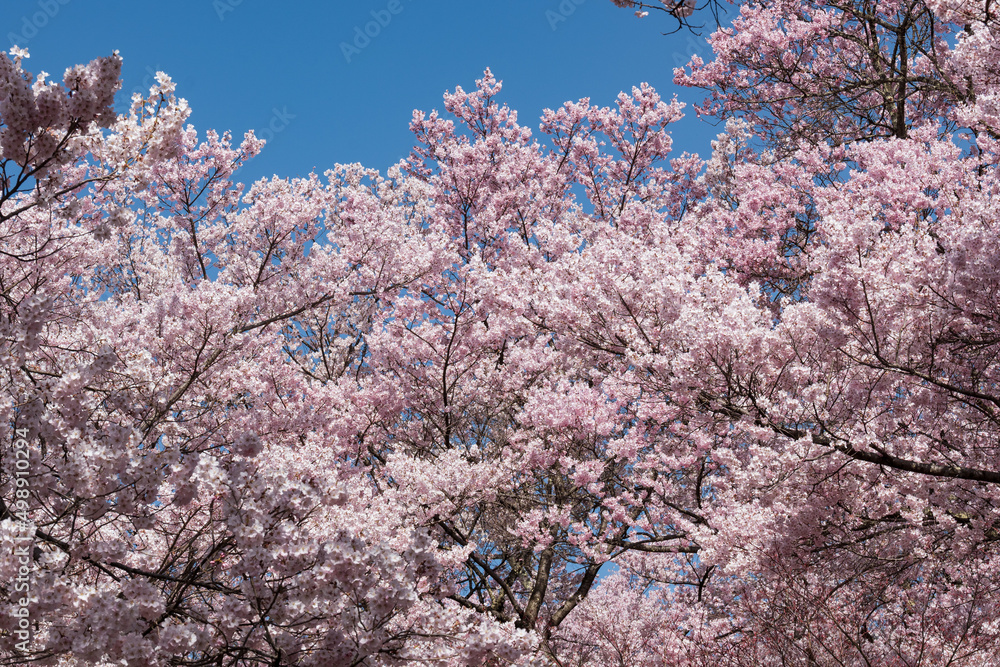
pixel 534 396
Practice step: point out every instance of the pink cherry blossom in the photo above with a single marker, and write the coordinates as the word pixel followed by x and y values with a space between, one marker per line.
pixel 536 395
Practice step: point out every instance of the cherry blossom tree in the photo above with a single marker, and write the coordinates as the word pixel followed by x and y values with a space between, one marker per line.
pixel 189 495
pixel 531 397
pixel 680 11
pixel 853 195
pixel 844 71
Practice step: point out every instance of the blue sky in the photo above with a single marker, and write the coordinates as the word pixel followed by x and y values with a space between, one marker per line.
pixel 282 68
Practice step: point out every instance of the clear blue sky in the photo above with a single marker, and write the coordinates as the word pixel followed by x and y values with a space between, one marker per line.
pixel 251 64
